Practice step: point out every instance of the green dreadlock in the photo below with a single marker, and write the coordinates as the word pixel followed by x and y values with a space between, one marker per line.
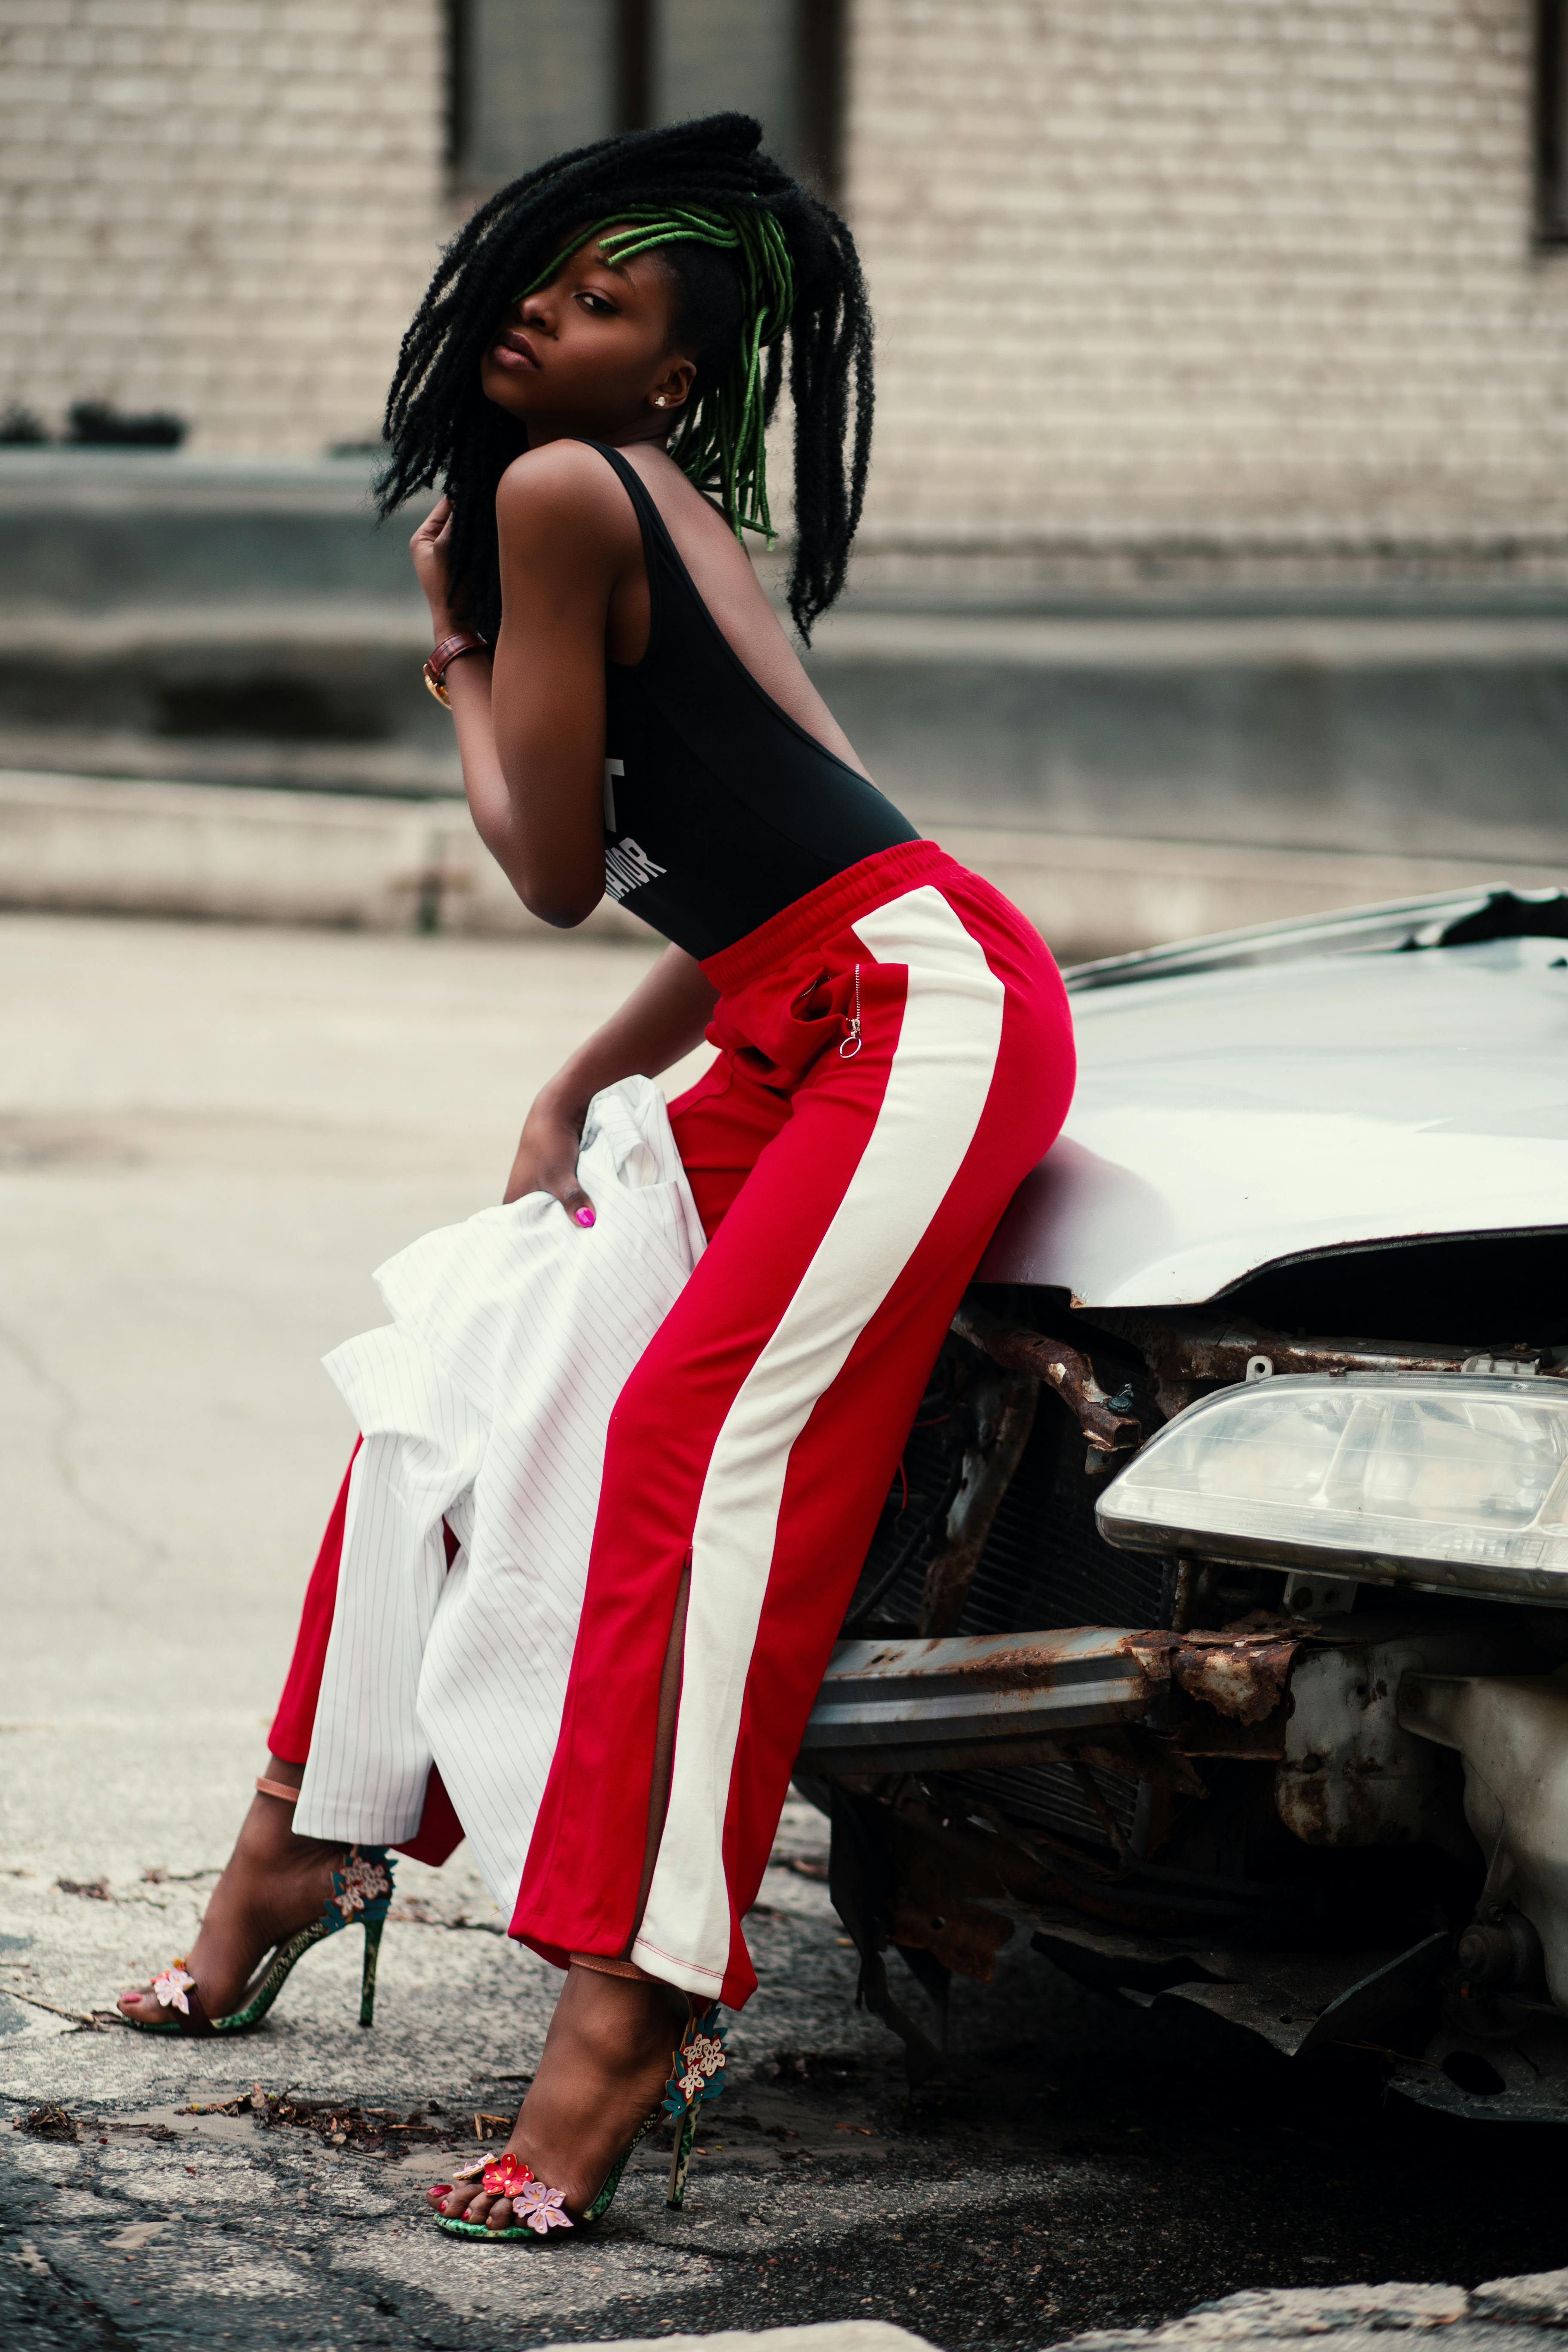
pixel 721 439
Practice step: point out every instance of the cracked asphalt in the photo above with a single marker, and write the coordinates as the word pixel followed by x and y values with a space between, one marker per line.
pixel 207 1139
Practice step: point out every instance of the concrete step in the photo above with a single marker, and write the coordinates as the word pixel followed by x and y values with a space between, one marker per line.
pixel 383 862
pixel 1432 737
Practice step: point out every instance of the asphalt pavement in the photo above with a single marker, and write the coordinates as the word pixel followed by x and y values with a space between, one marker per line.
pixel 208 1137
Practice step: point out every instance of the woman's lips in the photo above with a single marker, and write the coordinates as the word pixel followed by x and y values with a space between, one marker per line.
pixel 513 353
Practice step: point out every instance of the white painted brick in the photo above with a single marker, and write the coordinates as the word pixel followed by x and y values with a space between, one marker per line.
pixel 224 176
pixel 1214 265
pixel 1208 263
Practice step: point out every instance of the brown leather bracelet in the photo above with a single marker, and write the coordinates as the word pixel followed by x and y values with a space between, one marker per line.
pixel 445 654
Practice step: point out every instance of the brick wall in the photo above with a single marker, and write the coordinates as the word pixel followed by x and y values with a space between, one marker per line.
pixel 1210 266
pixel 1140 267
pixel 223 207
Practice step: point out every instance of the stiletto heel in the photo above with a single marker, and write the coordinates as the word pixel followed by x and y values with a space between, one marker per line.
pixel 680 2162
pixel 372 1929
pixel 362 1891
pixel 696 2076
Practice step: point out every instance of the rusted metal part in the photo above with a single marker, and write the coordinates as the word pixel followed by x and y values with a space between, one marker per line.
pixel 1106 1423
pixel 913 1704
pixel 1245 1680
pixel 960 1703
pixel 965 1938
pixel 1006 1417
pixel 1188 1354
pixel 929 1915
pixel 1240 1670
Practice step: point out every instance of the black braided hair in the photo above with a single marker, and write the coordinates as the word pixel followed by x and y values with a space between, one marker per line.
pixel 442 430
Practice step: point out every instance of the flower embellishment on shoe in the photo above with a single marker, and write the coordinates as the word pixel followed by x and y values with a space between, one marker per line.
pixel 171 1988
pixel 541 2209
pixel 698 2072
pixel 358 1883
pixel 504 2175
pixel 532 2204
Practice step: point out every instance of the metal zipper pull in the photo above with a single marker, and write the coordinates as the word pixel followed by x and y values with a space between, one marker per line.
pixel 852 1041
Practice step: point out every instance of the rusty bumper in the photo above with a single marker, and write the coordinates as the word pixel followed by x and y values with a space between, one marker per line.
pixel 913 1704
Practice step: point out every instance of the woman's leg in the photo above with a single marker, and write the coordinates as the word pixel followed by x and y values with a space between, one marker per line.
pixel 274 1882
pixel 749 1454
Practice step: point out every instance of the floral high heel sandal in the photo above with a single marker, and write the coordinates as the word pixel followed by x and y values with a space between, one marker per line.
pixel 696 2076
pixel 362 1891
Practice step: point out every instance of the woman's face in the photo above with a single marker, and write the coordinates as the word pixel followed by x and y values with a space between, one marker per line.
pixel 591 348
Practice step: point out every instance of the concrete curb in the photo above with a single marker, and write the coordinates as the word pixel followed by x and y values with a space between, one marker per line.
pixel 1299 2314
pixel 91 844
pixel 83 844
pixel 1295 2316
pixel 826 2335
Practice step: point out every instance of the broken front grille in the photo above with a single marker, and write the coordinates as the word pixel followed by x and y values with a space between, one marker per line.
pixel 1044 1566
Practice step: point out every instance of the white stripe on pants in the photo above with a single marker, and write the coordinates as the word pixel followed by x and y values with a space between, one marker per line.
pixel 936 1091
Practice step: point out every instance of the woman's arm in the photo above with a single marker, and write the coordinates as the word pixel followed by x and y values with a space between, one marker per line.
pixel 662 1019
pixel 467 681
pixel 537 803
pixel 530 718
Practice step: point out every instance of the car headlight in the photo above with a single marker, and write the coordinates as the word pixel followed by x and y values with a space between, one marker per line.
pixel 1444 1482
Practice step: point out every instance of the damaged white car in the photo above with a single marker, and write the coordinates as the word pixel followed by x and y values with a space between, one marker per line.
pixel 1215 1632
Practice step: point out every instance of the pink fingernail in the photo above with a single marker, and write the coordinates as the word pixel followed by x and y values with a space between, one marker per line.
pixel 583 1216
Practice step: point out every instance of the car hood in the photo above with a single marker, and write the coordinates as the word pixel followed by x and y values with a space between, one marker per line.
pixel 1227 1119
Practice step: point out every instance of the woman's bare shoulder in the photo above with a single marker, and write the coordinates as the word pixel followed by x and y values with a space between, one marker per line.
pixel 564 487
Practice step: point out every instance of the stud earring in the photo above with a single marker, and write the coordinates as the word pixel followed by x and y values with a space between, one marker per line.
pixel 660 400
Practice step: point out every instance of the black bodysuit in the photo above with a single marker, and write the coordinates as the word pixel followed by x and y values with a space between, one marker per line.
pixel 720 809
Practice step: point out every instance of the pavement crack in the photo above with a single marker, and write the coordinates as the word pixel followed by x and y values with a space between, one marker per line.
pixel 68 1414
pixel 410 1917
pixel 79 2299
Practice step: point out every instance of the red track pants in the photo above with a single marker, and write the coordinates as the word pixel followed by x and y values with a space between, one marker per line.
pixel 895 1054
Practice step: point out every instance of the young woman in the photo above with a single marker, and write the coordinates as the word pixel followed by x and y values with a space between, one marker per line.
pixel 589 376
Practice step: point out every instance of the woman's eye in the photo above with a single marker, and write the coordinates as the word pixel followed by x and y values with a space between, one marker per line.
pixel 597 303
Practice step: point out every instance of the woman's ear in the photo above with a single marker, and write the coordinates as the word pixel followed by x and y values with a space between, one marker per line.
pixel 673 389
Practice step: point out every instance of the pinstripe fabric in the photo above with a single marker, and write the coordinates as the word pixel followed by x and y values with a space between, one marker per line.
pixel 484 1404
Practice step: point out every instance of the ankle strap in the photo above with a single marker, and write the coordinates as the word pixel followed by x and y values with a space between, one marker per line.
pixel 278 1788
pixel 612 1968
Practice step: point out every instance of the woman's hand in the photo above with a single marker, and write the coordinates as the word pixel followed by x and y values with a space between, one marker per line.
pixel 428 550
pixel 663 1019
pixel 546 1157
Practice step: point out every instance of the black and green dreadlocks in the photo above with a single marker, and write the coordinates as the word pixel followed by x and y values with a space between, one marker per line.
pixel 722 438
pixel 757 260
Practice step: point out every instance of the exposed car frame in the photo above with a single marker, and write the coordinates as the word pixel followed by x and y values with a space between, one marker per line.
pixel 1297 1758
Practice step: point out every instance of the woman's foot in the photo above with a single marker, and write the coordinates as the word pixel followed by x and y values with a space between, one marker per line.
pixel 273 1885
pixel 606 2064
